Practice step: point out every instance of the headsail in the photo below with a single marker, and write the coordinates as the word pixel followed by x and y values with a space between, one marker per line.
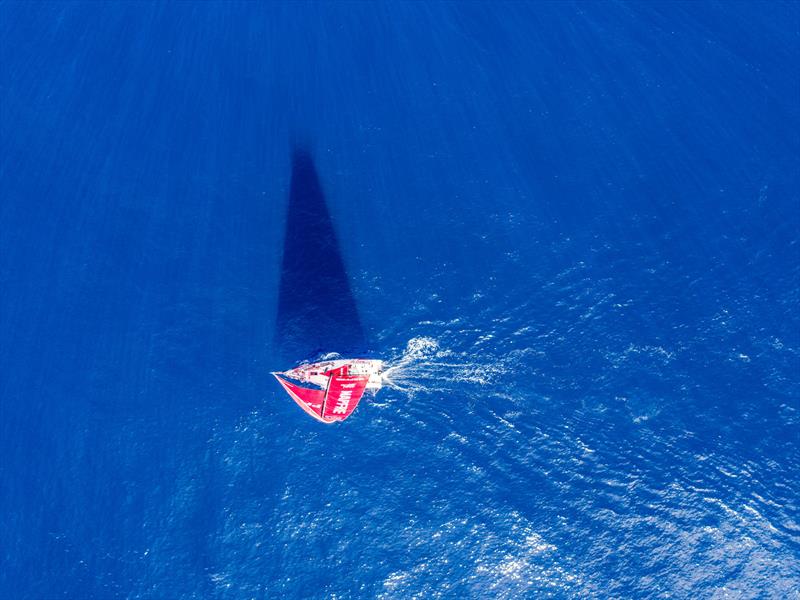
pixel 342 396
pixel 309 400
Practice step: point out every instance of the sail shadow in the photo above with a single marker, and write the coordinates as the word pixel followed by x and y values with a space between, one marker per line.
pixel 317 312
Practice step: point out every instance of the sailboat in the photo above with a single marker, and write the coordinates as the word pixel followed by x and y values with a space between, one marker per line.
pixel 330 390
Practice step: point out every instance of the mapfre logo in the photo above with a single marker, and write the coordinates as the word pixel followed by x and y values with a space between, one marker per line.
pixel 344 399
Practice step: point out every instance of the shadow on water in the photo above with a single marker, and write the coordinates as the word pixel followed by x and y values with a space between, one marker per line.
pixel 317 312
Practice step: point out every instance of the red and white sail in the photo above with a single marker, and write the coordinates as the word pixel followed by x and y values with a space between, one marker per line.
pixel 309 400
pixel 342 396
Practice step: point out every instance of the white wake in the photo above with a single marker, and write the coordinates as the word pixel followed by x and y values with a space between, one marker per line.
pixel 426 367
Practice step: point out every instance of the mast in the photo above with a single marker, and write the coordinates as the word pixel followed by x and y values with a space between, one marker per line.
pixel 325 397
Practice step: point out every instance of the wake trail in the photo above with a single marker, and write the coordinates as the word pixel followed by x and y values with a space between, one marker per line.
pixel 425 367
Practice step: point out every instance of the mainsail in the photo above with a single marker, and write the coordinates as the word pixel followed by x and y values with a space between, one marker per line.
pixel 342 396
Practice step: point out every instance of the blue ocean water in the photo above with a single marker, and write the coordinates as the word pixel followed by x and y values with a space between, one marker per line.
pixel 573 227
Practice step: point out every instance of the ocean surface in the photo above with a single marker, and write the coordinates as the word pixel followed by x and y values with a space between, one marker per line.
pixel 572 229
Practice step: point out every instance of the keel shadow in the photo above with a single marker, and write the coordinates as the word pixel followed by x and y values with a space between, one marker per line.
pixel 317 312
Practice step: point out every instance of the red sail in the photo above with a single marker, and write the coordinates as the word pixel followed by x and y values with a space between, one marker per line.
pixel 309 400
pixel 342 397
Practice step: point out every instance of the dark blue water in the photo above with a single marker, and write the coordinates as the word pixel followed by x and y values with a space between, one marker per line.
pixel 575 226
